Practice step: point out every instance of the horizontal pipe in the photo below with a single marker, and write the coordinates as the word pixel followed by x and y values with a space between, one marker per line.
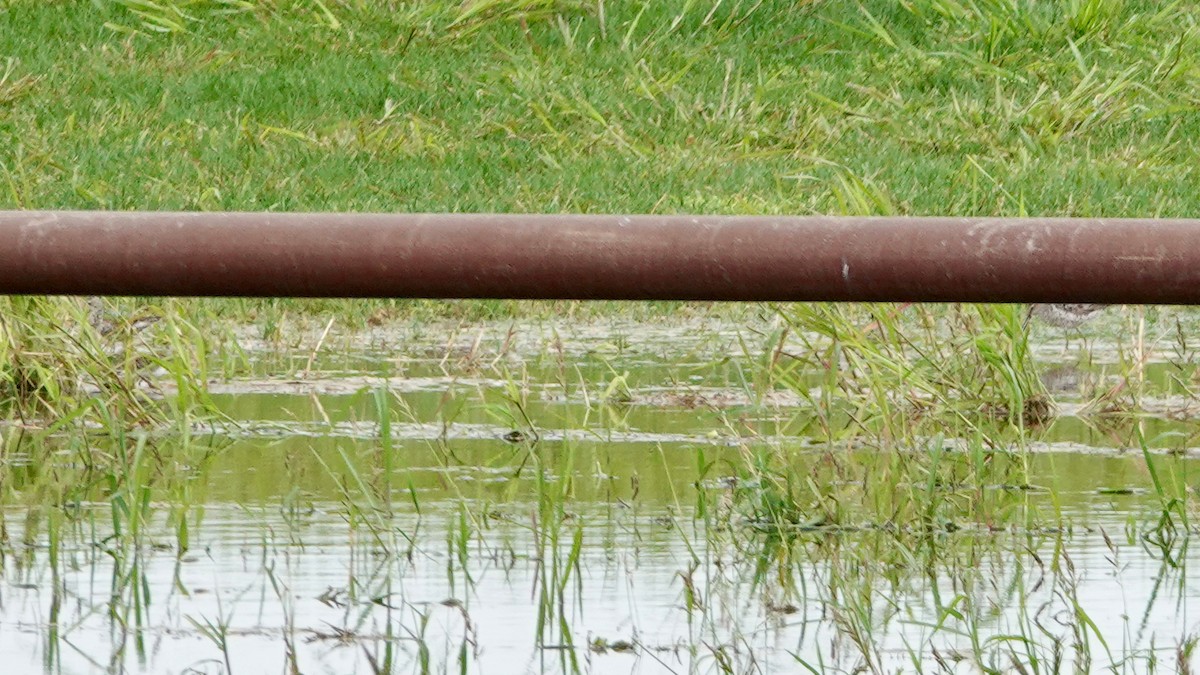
pixel 601 257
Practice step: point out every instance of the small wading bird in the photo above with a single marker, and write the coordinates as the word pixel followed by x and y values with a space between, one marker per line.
pixel 1066 315
pixel 1069 315
pixel 105 326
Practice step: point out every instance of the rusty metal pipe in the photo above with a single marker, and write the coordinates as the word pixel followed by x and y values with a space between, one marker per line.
pixel 600 257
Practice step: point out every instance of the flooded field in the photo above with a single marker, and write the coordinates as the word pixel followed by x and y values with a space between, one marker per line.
pixel 615 498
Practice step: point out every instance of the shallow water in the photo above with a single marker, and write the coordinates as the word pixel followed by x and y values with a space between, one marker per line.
pixel 332 597
pixel 303 532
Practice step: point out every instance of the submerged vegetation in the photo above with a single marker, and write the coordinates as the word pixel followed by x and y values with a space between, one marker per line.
pixel 434 498
pixel 410 486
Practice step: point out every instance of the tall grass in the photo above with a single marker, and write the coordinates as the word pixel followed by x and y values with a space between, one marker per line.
pixel 897 373
pixel 63 364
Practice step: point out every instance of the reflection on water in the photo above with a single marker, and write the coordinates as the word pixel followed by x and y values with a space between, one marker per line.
pixel 605 508
pixel 265 587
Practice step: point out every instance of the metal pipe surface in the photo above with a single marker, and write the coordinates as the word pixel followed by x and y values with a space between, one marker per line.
pixel 600 257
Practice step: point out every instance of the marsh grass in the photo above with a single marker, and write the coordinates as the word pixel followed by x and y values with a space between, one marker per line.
pixel 897 373
pixel 916 485
pixel 861 534
pixel 60 368
pixel 917 482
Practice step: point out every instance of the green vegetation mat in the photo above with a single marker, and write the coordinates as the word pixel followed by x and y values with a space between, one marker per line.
pixel 959 107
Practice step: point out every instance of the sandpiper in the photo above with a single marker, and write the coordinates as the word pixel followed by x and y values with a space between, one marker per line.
pixel 1066 315
pixel 105 326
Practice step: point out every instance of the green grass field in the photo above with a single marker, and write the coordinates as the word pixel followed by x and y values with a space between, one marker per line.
pixel 958 107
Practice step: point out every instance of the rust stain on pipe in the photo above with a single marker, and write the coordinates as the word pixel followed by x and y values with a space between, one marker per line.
pixel 601 257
